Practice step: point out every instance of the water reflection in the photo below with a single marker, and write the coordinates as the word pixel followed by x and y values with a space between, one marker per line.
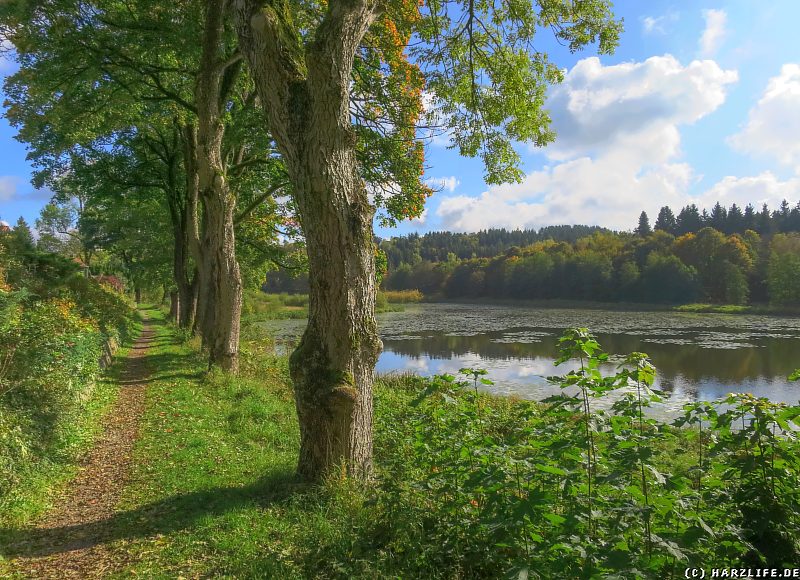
pixel 701 356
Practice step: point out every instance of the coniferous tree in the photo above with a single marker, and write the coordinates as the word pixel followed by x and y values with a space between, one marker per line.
pixel 764 225
pixel 735 222
pixel 643 229
pixel 718 219
pixel 749 218
pixel 21 237
pixel 689 220
pixel 666 220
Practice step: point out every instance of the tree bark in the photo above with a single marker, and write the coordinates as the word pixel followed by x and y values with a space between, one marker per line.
pixel 305 95
pixel 221 278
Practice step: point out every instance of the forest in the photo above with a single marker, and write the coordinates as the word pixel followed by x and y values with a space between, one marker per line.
pixel 721 256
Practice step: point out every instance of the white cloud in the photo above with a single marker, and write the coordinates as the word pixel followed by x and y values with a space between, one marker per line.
pixel 444 183
pixel 598 107
pixel 773 124
pixel 7 60
pixel 713 33
pixel 651 24
pixel 8 187
pixel 658 24
pixel 617 150
pixel 421 220
pixel 759 189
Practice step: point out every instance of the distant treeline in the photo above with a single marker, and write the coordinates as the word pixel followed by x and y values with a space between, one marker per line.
pixel 656 268
pixel 444 246
pixel 725 256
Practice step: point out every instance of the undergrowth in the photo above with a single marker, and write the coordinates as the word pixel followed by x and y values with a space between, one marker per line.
pixel 466 485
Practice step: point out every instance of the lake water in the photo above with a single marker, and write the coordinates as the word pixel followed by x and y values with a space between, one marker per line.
pixel 697 356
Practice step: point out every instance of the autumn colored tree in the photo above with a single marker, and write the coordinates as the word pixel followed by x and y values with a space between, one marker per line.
pixel 341 85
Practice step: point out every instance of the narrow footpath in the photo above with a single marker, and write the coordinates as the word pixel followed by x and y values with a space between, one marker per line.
pixel 72 541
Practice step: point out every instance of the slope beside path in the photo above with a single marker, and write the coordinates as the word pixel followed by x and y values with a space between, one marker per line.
pixel 72 541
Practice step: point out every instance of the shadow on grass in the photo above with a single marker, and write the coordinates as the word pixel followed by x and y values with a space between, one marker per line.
pixel 162 517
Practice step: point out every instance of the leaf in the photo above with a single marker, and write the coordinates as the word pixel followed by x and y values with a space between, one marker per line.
pixel 550 469
pixel 555 519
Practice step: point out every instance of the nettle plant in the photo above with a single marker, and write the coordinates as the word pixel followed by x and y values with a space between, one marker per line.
pixel 590 482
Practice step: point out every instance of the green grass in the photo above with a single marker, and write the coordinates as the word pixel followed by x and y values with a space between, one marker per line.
pixel 740 309
pixel 213 491
pixel 42 478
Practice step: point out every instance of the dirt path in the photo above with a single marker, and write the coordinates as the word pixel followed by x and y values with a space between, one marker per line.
pixel 73 540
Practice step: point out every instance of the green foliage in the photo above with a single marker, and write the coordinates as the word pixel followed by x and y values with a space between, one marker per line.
pixel 467 485
pixel 56 331
pixel 591 484
pixel 605 266
pixel 783 270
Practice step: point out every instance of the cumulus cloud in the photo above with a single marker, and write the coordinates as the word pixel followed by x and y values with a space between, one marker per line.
pixel 713 33
pixel 759 189
pixel 600 107
pixel 773 124
pixel 444 183
pixel 616 152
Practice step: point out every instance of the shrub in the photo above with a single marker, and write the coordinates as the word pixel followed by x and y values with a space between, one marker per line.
pixel 403 296
pixel 53 340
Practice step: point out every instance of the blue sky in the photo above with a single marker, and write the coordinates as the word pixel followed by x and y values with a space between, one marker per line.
pixel 700 103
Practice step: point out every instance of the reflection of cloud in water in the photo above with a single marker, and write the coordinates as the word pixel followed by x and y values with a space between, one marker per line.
pixel 697 355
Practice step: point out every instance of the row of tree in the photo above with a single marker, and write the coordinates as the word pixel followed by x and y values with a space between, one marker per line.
pixel 443 246
pixel 733 220
pixel 606 266
pixel 223 124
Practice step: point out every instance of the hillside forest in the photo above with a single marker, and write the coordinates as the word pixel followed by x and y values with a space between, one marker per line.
pixel 721 256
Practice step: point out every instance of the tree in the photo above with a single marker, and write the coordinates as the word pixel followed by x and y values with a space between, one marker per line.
pixel 187 105
pixel 666 221
pixel 643 229
pixel 736 222
pixel 343 104
pixel 783 270
pixel 689 220
pixel 718 219
pixel 21 238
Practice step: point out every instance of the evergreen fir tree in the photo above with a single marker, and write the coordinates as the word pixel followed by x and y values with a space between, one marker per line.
pixel 643 229
pixel 666 221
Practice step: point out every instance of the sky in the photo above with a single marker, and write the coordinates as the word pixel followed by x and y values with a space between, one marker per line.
pixel 700 103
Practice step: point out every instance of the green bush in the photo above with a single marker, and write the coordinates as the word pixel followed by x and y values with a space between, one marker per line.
pixel 52 346
pixel 586 486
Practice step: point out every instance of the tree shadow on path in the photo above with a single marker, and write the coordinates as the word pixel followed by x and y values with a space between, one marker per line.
pixel 162 517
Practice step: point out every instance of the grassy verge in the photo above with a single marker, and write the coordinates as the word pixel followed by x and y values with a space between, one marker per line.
pixel 259 306
pixel 466 485
pixel 214 491
pixel 41 480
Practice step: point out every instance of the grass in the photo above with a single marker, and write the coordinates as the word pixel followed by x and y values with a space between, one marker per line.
pixel 41 480
pixel 260 306
pixel 403 296
pixel 774 310
pixel 213 491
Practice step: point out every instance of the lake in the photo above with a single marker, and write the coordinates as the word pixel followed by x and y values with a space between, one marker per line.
pixel 697 356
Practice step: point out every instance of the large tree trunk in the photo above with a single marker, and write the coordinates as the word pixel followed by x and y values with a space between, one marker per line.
pixel 305 94
pixel 221 279
pixel 332 368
